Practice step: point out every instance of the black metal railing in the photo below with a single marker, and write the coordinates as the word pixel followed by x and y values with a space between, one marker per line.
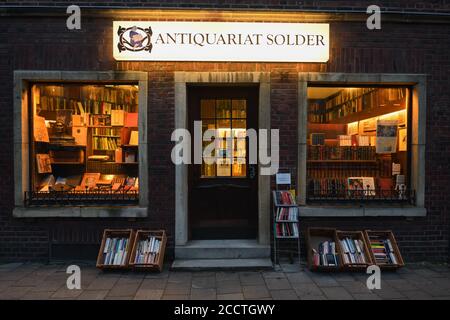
pixel 80 198
pixel 349 196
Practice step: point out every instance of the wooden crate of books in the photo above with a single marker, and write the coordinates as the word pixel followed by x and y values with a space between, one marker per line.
pixel 115 249
pixel 383 249
pixel 355 254
pixel 323 251
pixel 148 250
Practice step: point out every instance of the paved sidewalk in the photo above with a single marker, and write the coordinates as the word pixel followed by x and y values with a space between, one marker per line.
pixel 40 281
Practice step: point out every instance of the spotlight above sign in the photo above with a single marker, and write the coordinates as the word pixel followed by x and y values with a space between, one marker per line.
pixel 220 41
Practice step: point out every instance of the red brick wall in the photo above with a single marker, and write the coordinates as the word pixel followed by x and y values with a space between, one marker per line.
pixel 45 44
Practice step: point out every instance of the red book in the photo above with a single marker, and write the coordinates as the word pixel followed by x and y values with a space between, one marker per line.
pixel 132 120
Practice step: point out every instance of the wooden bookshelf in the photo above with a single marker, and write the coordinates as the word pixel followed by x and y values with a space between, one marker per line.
pixel 115 233
pixel 158 261
pixel 385 234
pixel 315 236
pixel 355 235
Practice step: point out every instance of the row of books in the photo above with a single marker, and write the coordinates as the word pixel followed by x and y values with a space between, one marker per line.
pixel 382 250
pixel 287 229
pixel 341 153
pixel 116 118
pixel 284 197
pixel 116 251
pixel 148 250
pixel 352 101
pixel 356 140
pixel 326 255
pixel 89 182
pixel 353 251
pixel 287 214
pixel 116 132
pixel 105 143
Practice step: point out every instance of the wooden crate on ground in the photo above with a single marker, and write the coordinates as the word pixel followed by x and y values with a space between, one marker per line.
pixel 383 249
pixel 314 238
pixel 148 250
pixel 115 249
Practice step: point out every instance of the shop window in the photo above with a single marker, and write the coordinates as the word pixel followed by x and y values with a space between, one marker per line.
pixel 228 120
pixel 358 144
pixel 84 146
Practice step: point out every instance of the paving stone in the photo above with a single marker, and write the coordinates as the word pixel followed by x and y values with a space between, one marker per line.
pixel 230 296
pixel 207 282
pixel 399 284
pixel 343 277
pixel 103 283
pixel 14 293
pixel 273 274
pixel 389 293
pixel 7 267
pixel 427 273
pixel 417 295
pixel 365 296
pixel 251 278
pixel 288 294
pixel 277 283
pixel 53 285
pixel 255 292
pixel 435 290
pixel 119 298
pixel 299 277
pixel 124 289
pixel 175 297
pixel 201 274
pixel 153 283
pixel 313 297
pixel 148 294
pixel 304 290
pixel 180 277
pixel 291 267
pixel 356 287
pixel 157 275
pixel 93 295
pixel 203 294
pixel 325 280
pixel 177 289
pixel 41 295
pixel 5 284
pixel 337 293
pixel 228 287
pixel 66 293
pixel 227 276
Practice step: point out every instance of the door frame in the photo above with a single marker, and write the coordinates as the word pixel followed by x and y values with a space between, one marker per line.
pixel 182 80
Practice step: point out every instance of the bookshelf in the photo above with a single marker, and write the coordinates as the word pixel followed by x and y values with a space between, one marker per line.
pixel 115 249
pixel 321 242
pixel 148 250
pixel 383 249
pixel 285 220
pixel 353 248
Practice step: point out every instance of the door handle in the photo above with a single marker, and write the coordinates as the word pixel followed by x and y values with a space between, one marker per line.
pixel 252 171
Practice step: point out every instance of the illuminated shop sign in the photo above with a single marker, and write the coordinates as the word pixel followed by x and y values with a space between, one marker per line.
pixel 220 41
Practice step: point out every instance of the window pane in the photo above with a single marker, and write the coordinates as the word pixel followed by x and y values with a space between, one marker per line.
pixel 223 108
pixel 207 108
pixel 239 167
pixel 239 108
pixel 223 167
pixel 357 137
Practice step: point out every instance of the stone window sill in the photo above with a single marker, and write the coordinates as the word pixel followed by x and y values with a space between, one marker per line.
pixel 340 211
pixel 80 212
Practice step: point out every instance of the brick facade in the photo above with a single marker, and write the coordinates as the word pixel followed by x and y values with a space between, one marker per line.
pixel 44 43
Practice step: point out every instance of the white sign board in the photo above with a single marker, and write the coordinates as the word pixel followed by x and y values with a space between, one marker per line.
pixel 283 178
pixel 220 41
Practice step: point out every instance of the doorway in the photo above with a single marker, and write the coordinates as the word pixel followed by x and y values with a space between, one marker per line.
pixel 223 189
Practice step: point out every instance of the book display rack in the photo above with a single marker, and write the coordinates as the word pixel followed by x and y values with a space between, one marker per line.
pixel 148 250
pixel 115 249
pixel 335 250
pixel 129 249
pixel 85 140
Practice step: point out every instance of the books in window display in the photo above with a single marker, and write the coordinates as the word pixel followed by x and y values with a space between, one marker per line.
pixel 383 249
pixel 284 198
pixel 287 230
pixel 287 214
pixel 148 250
pixel 115 249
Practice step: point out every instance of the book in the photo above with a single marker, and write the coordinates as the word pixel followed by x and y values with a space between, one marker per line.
pixel 361 185
pixel 325 255
pixel 80 135
pixel 131 120
pixel 46 183
pixel 40 130
pixel 116 251
pixel 43 163
pixel 134 138
pixel 118 155
pixel 353 251
pixel 148 250
pixel 117 117
pixel 90 180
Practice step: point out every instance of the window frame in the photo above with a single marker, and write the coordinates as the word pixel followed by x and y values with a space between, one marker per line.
pixel 417 144
pixel 23 80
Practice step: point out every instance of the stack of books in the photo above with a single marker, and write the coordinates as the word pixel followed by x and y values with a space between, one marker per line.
pixel 353 251
pixel 115 251
pixel 287 214
pixel 284 197
pixel 287 230
pixel 326 255
pixel 383 250
pixel 147 251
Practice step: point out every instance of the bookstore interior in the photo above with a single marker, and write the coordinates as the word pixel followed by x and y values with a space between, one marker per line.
pixel 358 143
pixel 85 144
